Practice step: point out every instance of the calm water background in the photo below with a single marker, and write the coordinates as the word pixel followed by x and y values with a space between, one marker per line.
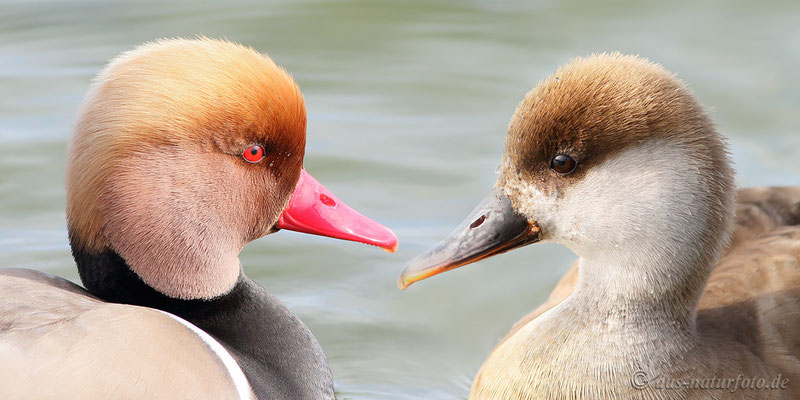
pixel 408 104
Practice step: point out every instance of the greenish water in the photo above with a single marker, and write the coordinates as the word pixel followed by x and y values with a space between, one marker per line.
pixel 408 104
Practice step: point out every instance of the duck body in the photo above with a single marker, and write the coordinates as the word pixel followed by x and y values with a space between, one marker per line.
pixel 279 355
pixel 184 151
pixel 248 343
pixel 684 288
pixel 61 342
pixel 744 330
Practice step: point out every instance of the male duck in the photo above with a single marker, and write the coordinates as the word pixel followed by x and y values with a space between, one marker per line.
pixel 185 150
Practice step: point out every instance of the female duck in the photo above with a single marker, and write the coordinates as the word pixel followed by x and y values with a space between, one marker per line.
pixel 614 158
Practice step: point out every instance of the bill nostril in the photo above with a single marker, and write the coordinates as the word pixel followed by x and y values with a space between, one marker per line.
pixel 477 222
pixel 327 200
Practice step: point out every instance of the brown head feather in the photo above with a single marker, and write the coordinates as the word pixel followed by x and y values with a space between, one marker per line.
pixel 598 106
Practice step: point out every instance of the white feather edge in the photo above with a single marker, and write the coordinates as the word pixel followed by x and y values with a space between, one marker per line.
pixel 234 370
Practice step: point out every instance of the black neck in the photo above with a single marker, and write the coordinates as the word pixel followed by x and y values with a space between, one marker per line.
pixel 277 352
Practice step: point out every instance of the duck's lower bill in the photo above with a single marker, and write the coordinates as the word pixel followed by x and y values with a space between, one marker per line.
pixel 314 209
pixel 492 228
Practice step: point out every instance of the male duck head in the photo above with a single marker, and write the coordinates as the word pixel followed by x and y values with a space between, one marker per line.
pixel 186 150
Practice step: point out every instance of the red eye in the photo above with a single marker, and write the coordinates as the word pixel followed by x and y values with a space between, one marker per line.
pixel 253 154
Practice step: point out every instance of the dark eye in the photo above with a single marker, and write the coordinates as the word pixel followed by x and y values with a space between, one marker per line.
pixel 253 154
pixel 563 164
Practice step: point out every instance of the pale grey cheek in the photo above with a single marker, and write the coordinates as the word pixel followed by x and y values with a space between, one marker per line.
pixel 545 209
pixel 588 212
pixel 577 217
